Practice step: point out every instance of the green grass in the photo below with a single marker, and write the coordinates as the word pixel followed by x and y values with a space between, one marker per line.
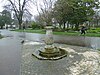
pixel 93 34
pixel 98 49
pixel 67 33
pixel 94 30
pixel 42 31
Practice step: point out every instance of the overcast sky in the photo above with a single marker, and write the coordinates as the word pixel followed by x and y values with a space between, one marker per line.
pixel 33 10
pixel 4 2
pixel 1 6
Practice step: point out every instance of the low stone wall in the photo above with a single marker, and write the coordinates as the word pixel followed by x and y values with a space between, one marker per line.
pixel 92 42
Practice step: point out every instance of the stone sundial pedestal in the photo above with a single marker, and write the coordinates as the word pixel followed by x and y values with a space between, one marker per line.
pixel 49 51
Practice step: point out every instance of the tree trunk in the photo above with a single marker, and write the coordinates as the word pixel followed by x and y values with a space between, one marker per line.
pixel 67 25
pixel 89 25
pixel 60 25
pixel 64 26
pixel 20 24
pixel 77 27
pixel 72 27
pixel 97 22
pixel 1 27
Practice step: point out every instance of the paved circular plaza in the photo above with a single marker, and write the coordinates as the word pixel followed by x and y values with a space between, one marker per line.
pixel 79 61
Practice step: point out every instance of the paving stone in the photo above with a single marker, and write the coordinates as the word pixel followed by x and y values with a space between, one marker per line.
pixel 84 61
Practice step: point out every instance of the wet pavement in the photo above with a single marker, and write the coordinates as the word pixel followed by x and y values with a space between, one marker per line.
pixel 12 51
pixel 79 61
pixel 91 42
pixel 10 54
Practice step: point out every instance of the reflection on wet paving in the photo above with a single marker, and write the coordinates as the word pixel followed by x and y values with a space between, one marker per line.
pixel 92 42
pixel 10 50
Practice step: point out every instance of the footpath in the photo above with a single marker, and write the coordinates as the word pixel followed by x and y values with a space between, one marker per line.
pixel 10 53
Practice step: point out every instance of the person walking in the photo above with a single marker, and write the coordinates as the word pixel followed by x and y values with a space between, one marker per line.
pixel 83 29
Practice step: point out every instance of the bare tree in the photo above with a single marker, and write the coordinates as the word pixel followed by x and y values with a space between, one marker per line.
pixel 19 6
pixel 44 9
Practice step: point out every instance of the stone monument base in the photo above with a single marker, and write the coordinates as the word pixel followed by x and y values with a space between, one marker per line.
pixel 55 55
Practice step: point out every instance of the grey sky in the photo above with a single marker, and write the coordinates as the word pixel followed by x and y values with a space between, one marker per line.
pixel 33 9
pixel 1 4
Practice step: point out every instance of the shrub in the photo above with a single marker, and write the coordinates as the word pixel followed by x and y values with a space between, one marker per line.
pixel 58 30
pixel 98 49
pixel 35 25
pixel 94 30
pixel 91 31
pixel 1 36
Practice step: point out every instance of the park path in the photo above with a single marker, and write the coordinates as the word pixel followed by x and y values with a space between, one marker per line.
pixel 10 49
pixel 79 61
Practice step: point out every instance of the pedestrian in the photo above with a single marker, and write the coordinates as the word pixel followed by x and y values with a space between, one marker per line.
pixel 23 26
pixel 83 29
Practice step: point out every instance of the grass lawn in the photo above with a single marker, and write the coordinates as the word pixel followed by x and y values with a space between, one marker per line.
pixel 42 31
